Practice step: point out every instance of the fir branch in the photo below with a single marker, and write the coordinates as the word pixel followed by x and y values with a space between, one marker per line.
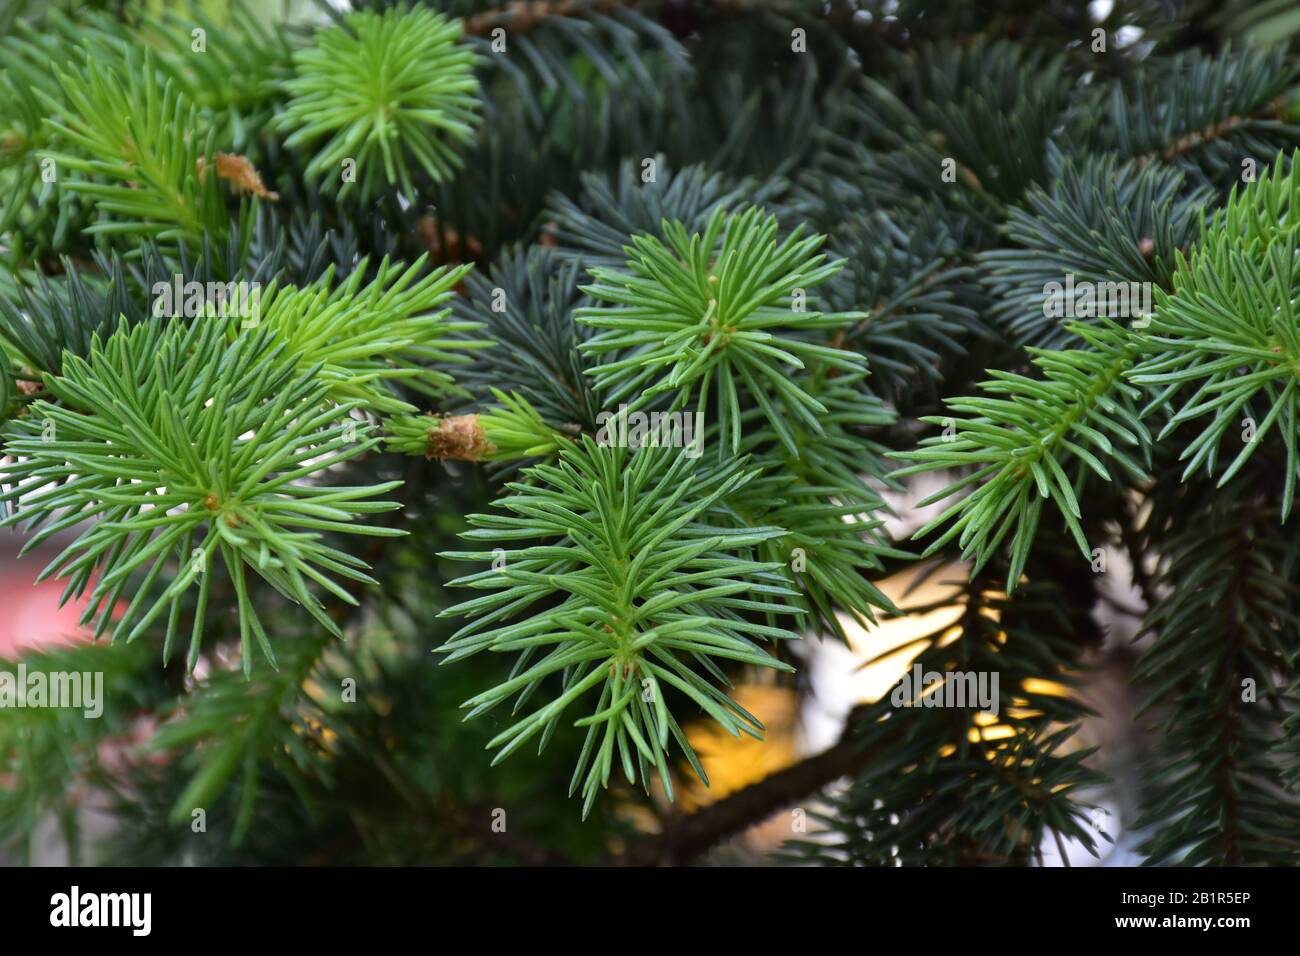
pixel 960 785
pixel 1205 114
pixel 229 726
pixel 1080 413
pixel 639 582
pixel 392 92
pixel 821 496
pixel 1109 226
pixel 607 210
pixel 187 451
pixel 1218 677
pixel 366 338
pixel 1230 331
pixel 525 305
pixel 136 130
pixel 908 268
pixel 701 307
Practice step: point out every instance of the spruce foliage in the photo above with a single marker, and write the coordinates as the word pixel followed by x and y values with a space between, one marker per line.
pixel 609 360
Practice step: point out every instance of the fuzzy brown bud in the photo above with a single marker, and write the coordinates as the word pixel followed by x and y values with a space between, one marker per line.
pixel 460 438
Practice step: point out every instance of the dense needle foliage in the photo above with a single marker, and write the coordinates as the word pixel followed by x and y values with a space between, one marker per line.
pixel 391 384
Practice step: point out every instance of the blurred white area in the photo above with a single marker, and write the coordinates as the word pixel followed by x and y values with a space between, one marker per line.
pixel 839 678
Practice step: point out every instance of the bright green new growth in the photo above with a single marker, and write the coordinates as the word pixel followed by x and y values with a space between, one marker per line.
pixel 1230 327
pixel 727 308
pixel 408 434
pixel 185 450
pixel 391 91
pixel 133 143
pixel 1081 409
pixel 637 591
pixel 507 431
pixel 517 430
pixel 368 338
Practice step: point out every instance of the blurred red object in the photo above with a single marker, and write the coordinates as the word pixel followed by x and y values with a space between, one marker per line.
pixel 30 615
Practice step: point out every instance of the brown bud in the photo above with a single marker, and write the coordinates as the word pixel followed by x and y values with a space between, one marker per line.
pixel 238 170
pixel 460 438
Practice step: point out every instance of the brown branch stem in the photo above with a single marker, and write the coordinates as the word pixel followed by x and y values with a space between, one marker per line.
pixel 524 15
pixel 686 837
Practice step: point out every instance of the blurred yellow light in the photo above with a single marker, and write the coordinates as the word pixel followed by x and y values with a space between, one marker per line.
pixel 1048 688
pixel 735 762
pixel 1000 732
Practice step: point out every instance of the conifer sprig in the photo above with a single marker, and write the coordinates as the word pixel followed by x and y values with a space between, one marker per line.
pixel 1214 675
pixel 634 590
pixel 391 92
pixel 1024 446
pixel 1231 330
pixel 368 338
pixel 821 497
pixel 1228 328
pixel 724 309
pixel 187 453
pixel 134 143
